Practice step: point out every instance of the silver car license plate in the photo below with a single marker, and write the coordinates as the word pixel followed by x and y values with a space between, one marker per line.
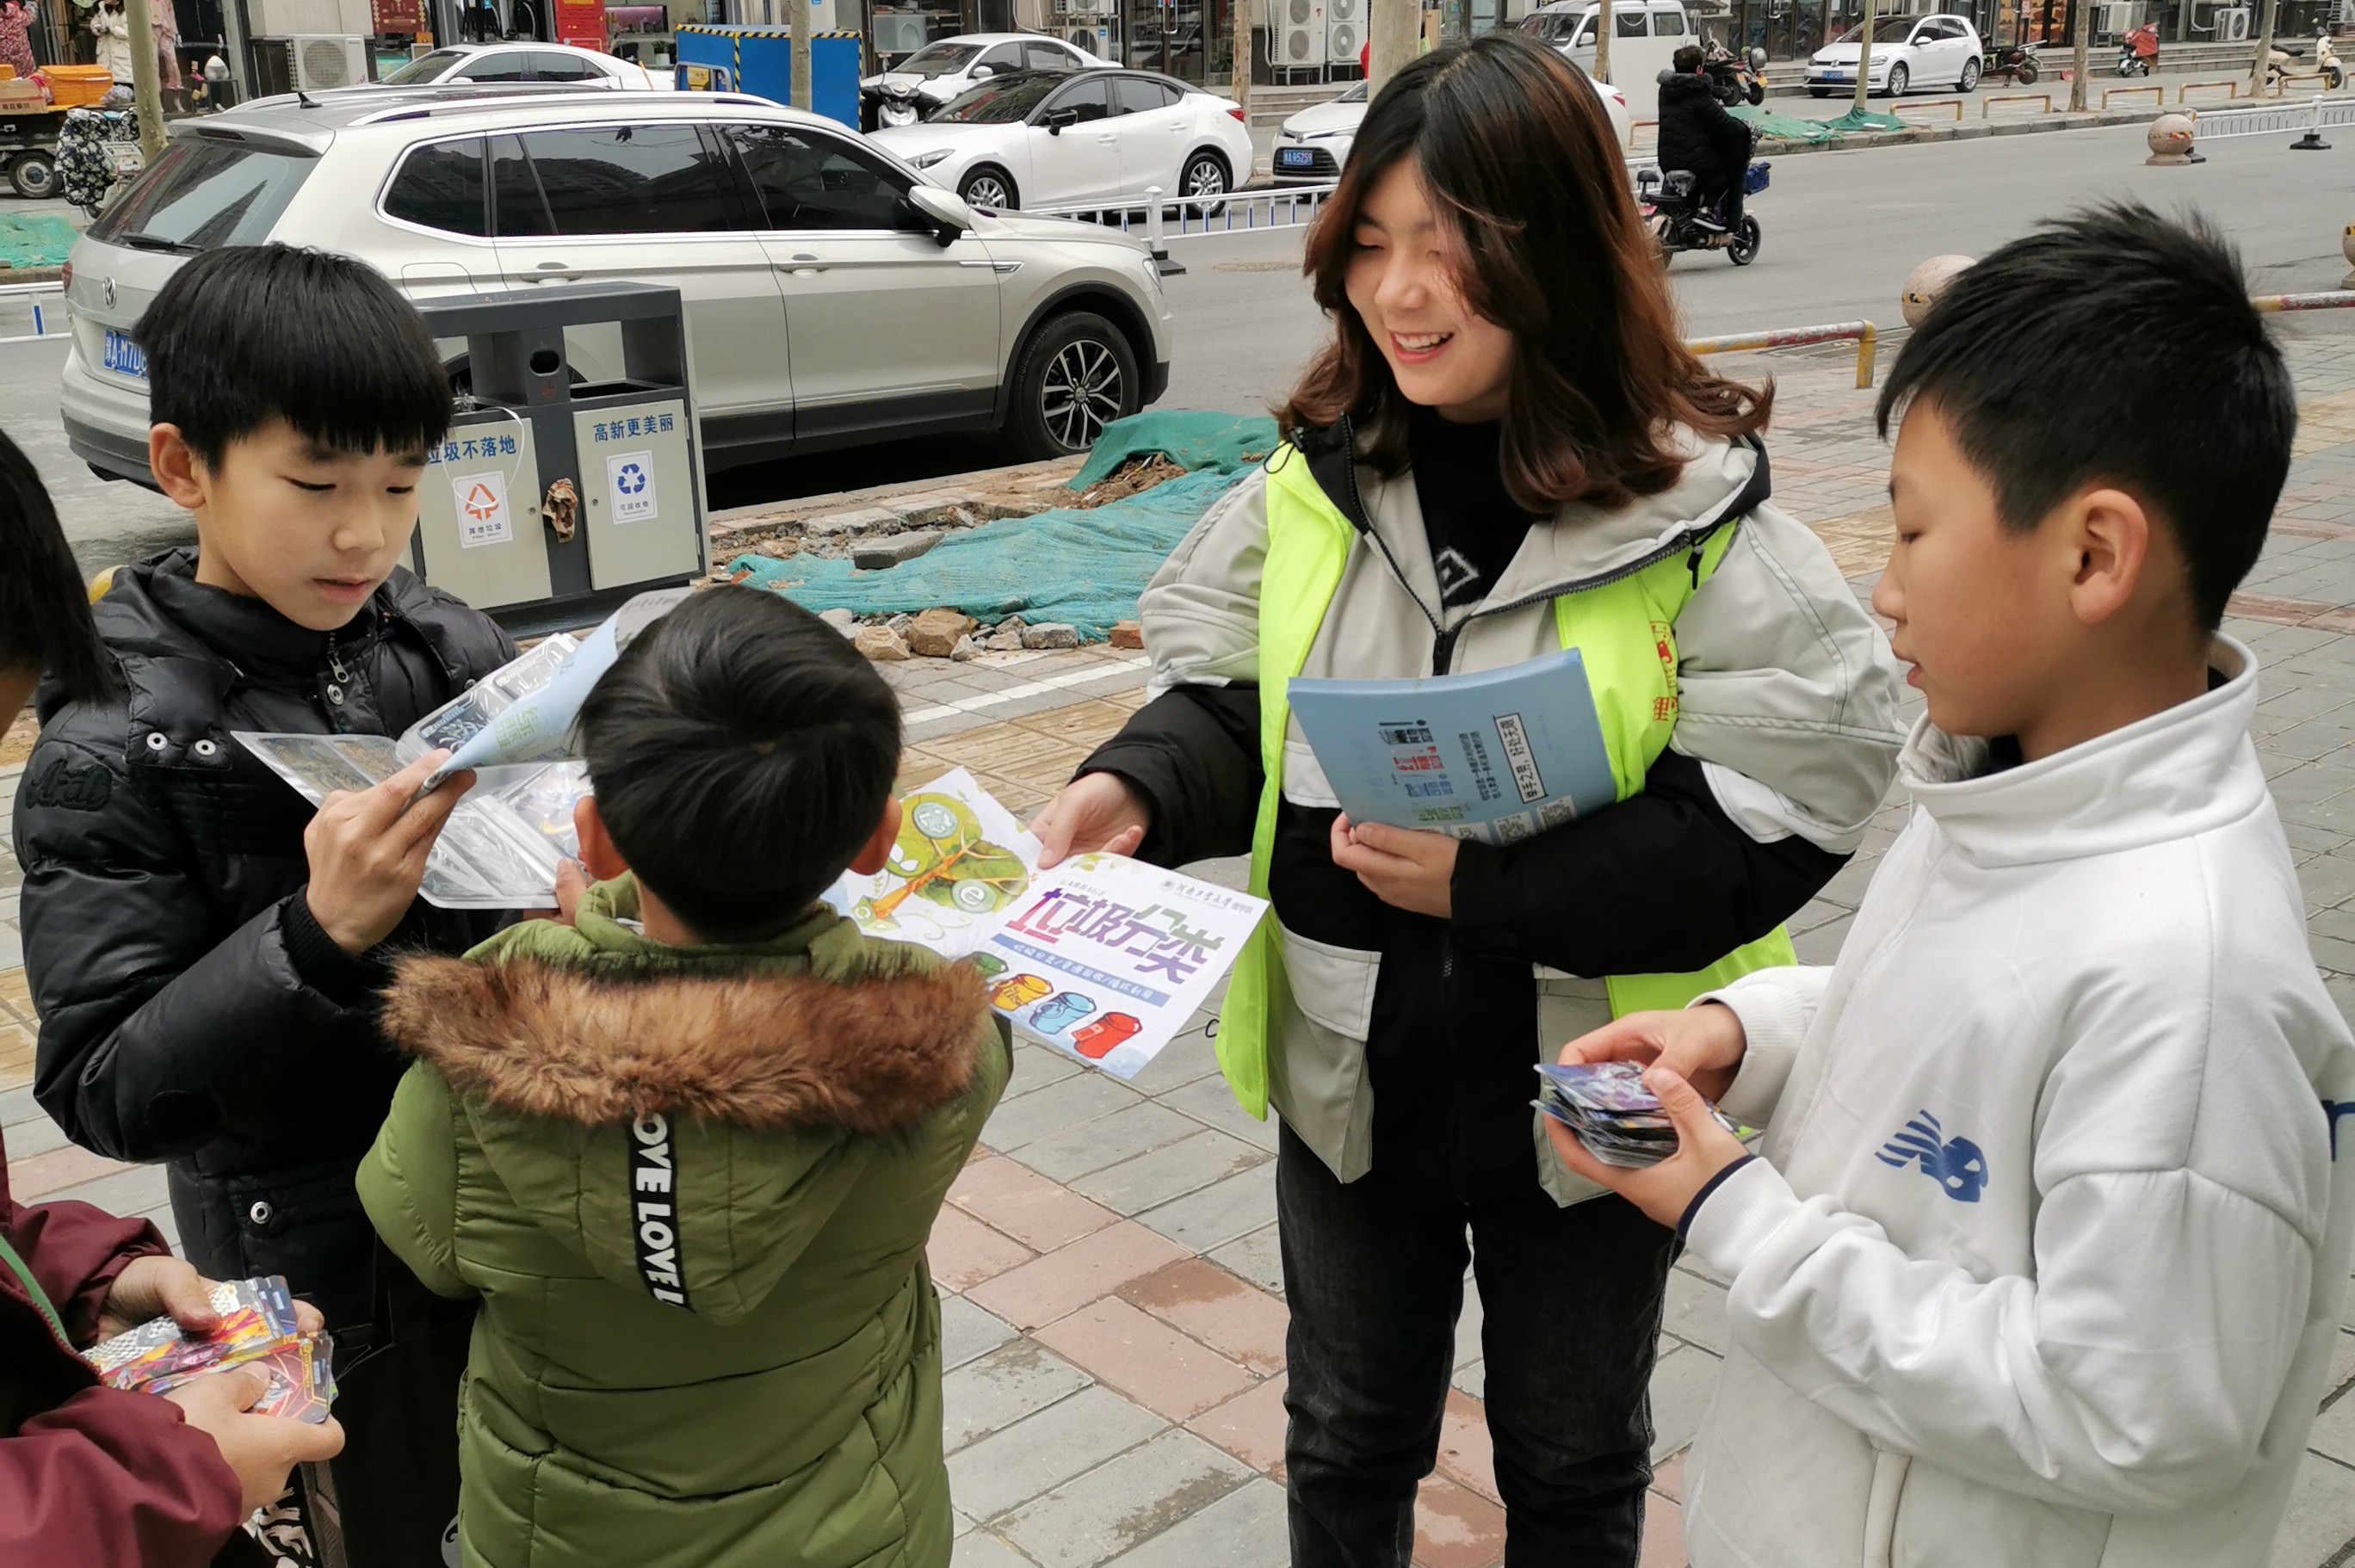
pixel 124 356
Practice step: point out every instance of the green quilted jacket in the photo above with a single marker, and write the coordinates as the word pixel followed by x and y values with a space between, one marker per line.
pixel 692 1188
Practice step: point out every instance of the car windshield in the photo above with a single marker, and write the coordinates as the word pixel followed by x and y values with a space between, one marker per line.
pixel 1001 101
pixel 424 67
pixel 205 192
pixel 937 59
pixel 1355 95
pixel 1552 27
pixel 1888 30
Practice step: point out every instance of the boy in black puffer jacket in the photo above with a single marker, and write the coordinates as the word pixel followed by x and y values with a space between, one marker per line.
pixel 203 947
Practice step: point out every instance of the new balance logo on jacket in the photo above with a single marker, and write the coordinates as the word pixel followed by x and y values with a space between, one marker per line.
pixel 1956 1164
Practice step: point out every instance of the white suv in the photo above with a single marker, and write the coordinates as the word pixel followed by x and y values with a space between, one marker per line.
pixel 824 307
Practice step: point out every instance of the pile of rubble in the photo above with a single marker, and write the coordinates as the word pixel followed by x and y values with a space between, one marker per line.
pixel 945 634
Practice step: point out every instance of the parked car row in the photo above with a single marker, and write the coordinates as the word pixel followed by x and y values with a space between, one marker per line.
pixel 833 295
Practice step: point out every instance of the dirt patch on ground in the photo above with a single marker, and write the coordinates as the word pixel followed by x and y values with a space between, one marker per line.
pixel 1133 477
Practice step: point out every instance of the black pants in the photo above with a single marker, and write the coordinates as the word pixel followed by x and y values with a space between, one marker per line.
pixel 1727 200
pixel 1373 1273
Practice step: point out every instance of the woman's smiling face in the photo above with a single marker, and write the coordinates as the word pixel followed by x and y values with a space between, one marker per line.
pixel 1403 284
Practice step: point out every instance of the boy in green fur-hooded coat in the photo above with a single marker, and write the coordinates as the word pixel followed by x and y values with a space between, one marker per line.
pixel 689 1153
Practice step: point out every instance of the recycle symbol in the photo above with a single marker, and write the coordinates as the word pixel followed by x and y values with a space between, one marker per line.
pixel 632 479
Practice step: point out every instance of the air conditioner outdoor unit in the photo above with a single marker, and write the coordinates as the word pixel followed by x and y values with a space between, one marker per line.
pixel 2121 16
pixel 310 18
pixel 323 62
pixel 1089 7
pixel 1345 29
pixel 1303 42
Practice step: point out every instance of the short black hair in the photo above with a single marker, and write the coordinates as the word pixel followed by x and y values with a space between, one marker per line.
pixel 741 750
pixel 2114 347
pixel 1686 60
pixel 44 620
pixel 246 334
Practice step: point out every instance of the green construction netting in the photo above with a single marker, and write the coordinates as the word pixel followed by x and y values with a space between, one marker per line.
pixel 1083 567
pixel 1798 128
pixel 35 239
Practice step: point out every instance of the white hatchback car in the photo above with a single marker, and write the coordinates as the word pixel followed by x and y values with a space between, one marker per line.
pixel 947 68
pixel 1313 144
pixel 1907 52
pixel 1050 138
pixel 496 64
pixel 833 297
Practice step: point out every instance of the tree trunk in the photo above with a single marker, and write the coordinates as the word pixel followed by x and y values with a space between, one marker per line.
pixel 798 16
pixel 146 81
pixel 2265 46
pixel 1396 31
pixel 1603 40
pixel 2081 33
pixel 1864 58
pixel 1239 14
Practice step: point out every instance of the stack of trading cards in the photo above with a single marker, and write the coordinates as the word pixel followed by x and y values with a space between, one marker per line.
pixel 257 1329
pixel 1605 1104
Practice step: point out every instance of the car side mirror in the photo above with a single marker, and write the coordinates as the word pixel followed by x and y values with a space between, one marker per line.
pixel 946 215
pixel 981 70
pixel 1058 118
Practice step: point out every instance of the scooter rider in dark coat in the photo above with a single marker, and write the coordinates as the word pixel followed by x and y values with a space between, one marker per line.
pixel 1698 136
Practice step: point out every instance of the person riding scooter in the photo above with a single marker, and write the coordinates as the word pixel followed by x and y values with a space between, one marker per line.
pixel 2138 51
pixel 1699 138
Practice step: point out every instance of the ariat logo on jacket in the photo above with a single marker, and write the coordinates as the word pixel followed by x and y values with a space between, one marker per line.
pixel 653 1210
pixel 1956 1164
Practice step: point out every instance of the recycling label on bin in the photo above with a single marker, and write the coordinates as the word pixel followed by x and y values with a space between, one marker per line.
pixel 630 481
pixel 482 503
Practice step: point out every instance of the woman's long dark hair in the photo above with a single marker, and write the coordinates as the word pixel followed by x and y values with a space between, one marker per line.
pixel 1517 155
pixel 44 608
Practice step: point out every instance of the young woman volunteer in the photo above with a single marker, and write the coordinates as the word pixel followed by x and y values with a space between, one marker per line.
pixel 1504 450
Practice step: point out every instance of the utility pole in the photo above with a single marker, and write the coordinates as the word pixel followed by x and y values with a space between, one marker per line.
pixel 1864 59
pixel 2081 32
pixel 1240 13
pixel 146 82
pixel 2265 48
pixel 1395 33
pixel 797 15
pixel 1603 40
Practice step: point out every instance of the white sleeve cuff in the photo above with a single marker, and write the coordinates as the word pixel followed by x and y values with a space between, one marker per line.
pixel 1775 1019
pixel 1737 1219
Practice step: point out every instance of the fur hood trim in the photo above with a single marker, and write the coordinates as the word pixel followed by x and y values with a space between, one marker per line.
pixel 757 1049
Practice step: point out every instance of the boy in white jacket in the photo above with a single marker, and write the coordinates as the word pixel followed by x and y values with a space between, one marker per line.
pixel 2040 1263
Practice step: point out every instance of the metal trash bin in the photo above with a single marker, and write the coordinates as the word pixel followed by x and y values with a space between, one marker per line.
pixel 555 494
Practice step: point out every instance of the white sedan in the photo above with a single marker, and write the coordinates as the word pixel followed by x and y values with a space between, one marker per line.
pixel 1907 51
pixel 1052 138
pixel 1313 144
pixel 947 68
pixel 525 61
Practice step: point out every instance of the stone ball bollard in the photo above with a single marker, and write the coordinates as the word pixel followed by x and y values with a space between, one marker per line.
pixel 1925 282
pixel 2170 141
pixel 2347 249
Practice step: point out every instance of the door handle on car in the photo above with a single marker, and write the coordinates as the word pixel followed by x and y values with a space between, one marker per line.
pixel 806 265
pixel 553 270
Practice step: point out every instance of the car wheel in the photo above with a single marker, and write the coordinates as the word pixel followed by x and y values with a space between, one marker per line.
pixel 1970 76
pixel 1819 92
pixel 1745 249
pixel 1897 79
pixel 1205 174
pixel 990 186
pixel 34 175
pixel 1077 377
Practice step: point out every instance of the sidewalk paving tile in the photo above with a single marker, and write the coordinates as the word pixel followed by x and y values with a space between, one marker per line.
pixel 1257 1258
pixel 1241 1322
pixel 980 1548
pixel 1455 1527
pixel 1244 1529
pixel 1250 1426
pixel 1696 1311
pixel 1125 1503
pixel 1220 1212
pixel 1193 1162
pixel 965 1253
pixel 1040 1452
pixel 1012 1197
pixel 1138 1354
pixel 1466 1455
pixel 966 1331
pixel 34 1176
pixel 1062 1282
pixel 2321 1520
pixel 1027 1118
pixel 1019 1378
pixel 1682 1382
pixel 1107 1140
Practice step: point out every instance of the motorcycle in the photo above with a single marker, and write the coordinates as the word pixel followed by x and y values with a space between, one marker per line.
pixel 2138 51
pixel 2017 62
pixel 1737 79
pixel 2326 60
pixel 892 106
pixel 1673 214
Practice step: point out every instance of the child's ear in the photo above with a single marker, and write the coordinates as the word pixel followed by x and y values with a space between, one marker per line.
pixel 2110 538
pixel 597 851
pixel 177 469
pixel 875 852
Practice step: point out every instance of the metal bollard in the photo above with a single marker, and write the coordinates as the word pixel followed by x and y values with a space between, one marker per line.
pixel 1154 241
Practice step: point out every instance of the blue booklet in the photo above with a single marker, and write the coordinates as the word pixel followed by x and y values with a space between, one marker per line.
pixel 1497 756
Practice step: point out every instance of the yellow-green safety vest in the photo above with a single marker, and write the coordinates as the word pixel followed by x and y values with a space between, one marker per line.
pixel 1626 635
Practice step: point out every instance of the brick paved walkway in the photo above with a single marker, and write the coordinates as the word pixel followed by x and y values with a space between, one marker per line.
pixel 1111 1294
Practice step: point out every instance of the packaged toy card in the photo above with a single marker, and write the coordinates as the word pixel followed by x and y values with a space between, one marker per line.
pixel 1607 1106
pixel 255 1316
